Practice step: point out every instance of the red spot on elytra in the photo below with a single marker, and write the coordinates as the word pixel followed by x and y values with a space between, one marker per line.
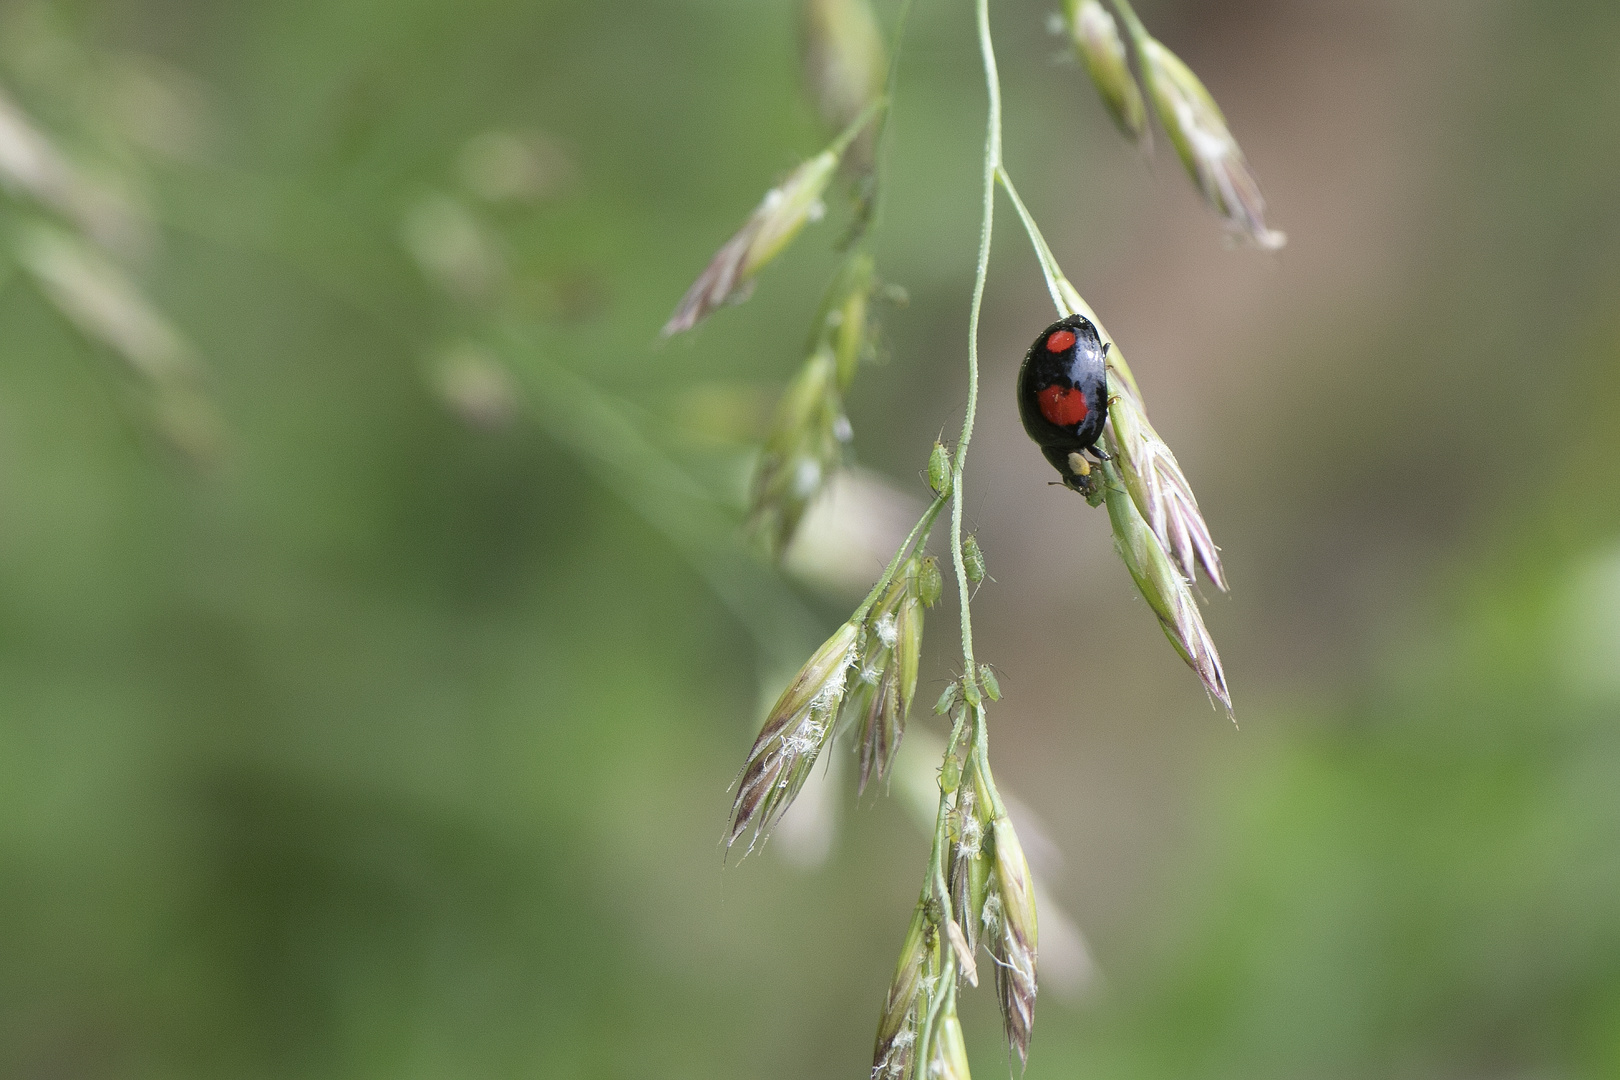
pixel 1059 341
pixel 1063 405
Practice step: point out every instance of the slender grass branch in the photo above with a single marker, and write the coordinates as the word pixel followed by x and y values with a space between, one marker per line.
pixel 918 538
pixel 1043 252
pixel 936 890
pixel 891 83
pixel 992 162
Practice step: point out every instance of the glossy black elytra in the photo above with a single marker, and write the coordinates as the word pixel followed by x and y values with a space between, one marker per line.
pixel 1063 397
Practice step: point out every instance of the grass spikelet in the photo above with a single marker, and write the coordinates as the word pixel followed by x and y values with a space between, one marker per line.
pixel 1197 128
pixel 779 217
pixel 1096 40
pixel 897 1035
pixel 949 1059
pixel 808 437
pixel 1012 940
pixel 799 725
pixel 1159 487
pixel 804 449
pixel 785 210
pixel 1161 584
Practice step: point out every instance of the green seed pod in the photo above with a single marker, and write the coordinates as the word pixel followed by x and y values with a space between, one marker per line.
pixel 799 726
pixel 939 470
pixel 930 585
pixel 947 699
pixel 949 1061
pixel 844 316
pixel 973 560
pixel 1014 944
pixel 892 1052
pixel 785 210
pixel 908 651
pixel 992 689
pixel 804 450
pixel 1167 593
pixel 1096 40
pixel 1205 145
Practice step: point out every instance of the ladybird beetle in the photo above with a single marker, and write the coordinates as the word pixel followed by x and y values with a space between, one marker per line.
pixel 1063 397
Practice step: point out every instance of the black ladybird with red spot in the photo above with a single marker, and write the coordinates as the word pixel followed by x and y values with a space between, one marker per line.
pixel 1063 396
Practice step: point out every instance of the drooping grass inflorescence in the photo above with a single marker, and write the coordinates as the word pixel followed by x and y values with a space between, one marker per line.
pixel 978 898
pixel 864 675
pixel 1186 110
pixel 810 433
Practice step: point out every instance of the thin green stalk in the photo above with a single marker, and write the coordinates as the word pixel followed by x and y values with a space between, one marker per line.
pixel 1133 25
pixel 891 82
pixel 981 764
pixel 1043 253
pixel 918 536
pixel 847 136
pixel 935 886
pixel 945 992
pixel 992 162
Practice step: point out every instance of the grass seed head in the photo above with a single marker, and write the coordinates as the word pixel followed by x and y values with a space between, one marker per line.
pixel 785 210
pixel 810 432
pixel 1159 487
pixel 799 726
pixel 889 660
pixel 1205 145
pixel 970 864
pixel 1167 592
pixel 845 318
pixel 1097 42
pixel 908 650
pixel 1150 471
pixel 896 1034
pixel 803 451
pixel 1013 943
pixel 949 1059
pixel 881 726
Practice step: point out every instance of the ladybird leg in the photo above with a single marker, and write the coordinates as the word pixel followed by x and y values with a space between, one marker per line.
pixel 1099 453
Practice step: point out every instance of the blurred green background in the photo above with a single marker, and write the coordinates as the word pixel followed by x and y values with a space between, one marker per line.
pixel 370 683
